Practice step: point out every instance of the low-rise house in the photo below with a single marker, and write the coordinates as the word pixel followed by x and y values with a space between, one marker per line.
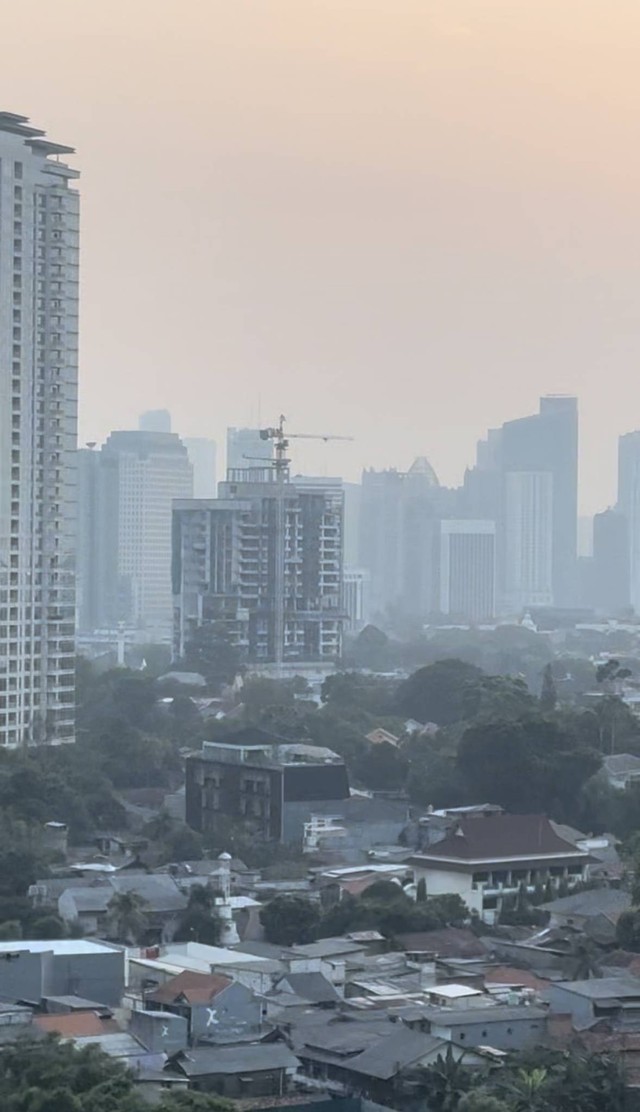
pixel 310 988
pixel 217 1008
pixel 621 769
pixel 239 1072
pixel 502 1027
pixel 614 999
pixel 595 911
pixel 377 1059
pixel 380 736
pixel 489 856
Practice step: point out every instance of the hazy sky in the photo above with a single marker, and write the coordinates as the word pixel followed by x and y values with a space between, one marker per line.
pixel 398 219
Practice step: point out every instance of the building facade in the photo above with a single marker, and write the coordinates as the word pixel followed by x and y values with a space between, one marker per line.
pixel 127 490
pixel 202 457
pixel 468 569
pixel 265 561
pixel 629 506
pixel 356 598
pixel 39 214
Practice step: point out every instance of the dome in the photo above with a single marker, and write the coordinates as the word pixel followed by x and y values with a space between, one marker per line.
pixel 421 468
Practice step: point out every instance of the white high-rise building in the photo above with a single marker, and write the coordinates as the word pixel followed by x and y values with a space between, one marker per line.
pixel 468 569
pixel 528 539
pixel 38 423
pixel 143 472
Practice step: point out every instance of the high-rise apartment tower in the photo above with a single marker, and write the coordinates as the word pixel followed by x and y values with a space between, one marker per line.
pixel 38 421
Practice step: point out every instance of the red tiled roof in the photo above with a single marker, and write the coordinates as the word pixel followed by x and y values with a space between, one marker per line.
pixel 76 1025
pixel 509 975
pixel 195 988
pixel 492 837
pixel 450 942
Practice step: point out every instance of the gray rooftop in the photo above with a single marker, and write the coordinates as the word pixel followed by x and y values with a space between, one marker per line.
pixel 330 948
pixel 254 1058
pixel 313 987
pixel 604 988
pixel 493 1013
pixel 596 901
pixel 619 763
pixel 388 1056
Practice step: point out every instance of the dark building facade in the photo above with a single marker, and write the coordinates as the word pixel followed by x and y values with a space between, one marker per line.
pixel 262 782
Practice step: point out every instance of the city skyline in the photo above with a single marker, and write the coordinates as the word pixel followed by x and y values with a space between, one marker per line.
pixel 420 205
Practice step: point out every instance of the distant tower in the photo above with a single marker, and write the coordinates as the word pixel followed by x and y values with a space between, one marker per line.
pixel 228 933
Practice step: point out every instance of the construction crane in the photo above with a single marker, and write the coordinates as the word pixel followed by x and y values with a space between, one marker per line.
pixel 281 443
pixel 281 466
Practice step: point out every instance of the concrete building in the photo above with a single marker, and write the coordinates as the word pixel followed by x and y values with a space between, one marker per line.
pixel 32 970
pixel 538 459
pixel 468 569
pixel 125 528
pixel 610 566
pixel 629 506
pixel 202 457
pixel 614 999
pixel 217 1008
pixel 268 784
pixel 355 585
pixel 399 538
pixel 274 582
pixel 245 447
pixel 38 421
pixel 488 856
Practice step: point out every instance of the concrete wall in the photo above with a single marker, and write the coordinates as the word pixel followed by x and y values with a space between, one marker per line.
pixel 97 977
pixel 161 1032
pixel 570 1003
pixel 514 1034
pixel 441 883
pixel 234 1014
pixel 24 976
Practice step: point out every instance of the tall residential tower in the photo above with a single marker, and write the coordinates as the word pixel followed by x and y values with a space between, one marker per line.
pixel 38 421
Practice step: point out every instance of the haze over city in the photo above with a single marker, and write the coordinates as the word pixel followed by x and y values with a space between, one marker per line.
pixel 399 222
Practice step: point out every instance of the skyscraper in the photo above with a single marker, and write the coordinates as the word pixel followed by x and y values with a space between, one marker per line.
pixel 538 459
pixel 629 505
pixel 38 420
pixel 127 490
pixel 265 562
pixel 244 447
pixel 468 569
pixel 610 580
pixel 399 538
pixel 202 457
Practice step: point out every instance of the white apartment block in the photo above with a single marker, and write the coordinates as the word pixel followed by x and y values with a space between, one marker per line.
pixel 38 417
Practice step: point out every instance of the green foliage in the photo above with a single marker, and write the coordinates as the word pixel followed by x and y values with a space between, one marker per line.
pixel 385 907
pixel 128 916
pixel 491 697
pixel 421 891
pixel 289 919
pixel 436 693
pixel 628 930
pixel 548 693
pixel 199 921
pixel 481 1100
pixel 372 650
pixel 210 653
pixel 529 765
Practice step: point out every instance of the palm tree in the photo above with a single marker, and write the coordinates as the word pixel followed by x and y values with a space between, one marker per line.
pixel 525 1091
pixel 446 1081
pixel 127 913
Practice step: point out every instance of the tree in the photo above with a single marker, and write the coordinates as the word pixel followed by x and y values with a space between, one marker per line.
pixel 381 767
pixel 210 652
pixel 628 930
pixel 421 890
pixel 435 693
pixel 199 921
pixel 548 694
pixel 492 697
pixel 289 919
pixel 446 1081
pixel 371 649
pixel 127 912
pixel 481 1100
